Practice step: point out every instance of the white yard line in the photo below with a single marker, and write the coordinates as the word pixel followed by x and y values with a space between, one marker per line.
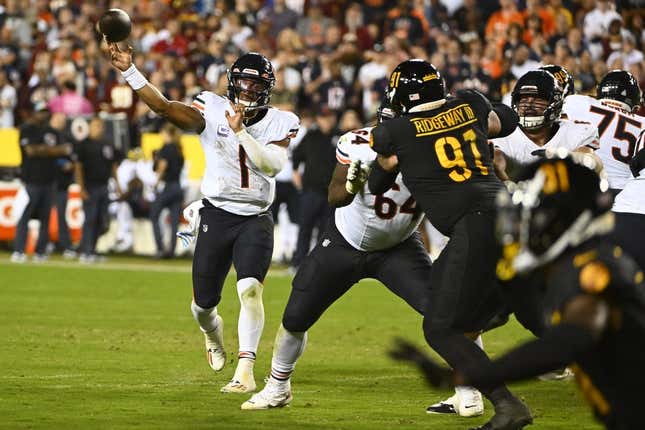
pixel 134 267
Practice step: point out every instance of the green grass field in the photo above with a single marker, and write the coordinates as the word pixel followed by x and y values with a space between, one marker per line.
pixel 114 346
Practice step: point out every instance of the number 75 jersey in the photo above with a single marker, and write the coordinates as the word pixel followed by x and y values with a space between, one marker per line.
pixel 369 222
pixel 618 131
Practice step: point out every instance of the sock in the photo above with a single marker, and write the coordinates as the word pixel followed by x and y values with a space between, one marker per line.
pixel 288 347
pixel 462 353
pixel 460 390
pixel 206 318
pixel 251 321
pixel 244 369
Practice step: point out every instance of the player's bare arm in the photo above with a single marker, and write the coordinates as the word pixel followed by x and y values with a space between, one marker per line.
pixel 269 158
pixel 499 162
pixel 337 194
pixel 183 116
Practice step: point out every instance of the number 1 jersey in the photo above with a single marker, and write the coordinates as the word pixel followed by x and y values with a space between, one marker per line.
pixel 369 222
pixel 444 157
pixel 231 181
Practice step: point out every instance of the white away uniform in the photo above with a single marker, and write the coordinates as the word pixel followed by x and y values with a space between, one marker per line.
pixel 570 135
pixel 231 181
pixel 370 222
pixel 618 132
pixel 629 214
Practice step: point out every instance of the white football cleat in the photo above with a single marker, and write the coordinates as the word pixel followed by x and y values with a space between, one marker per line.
pixel 215 352
pixel 470 402
pixel 243 380
pixel 273 395
pixel 466 402
pixel 557 375
pixel 18 257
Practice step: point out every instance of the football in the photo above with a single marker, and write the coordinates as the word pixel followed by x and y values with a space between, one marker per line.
pixel 116 25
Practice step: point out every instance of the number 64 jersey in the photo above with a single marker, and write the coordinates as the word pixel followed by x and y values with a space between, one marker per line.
pixel 369 222
pixel 231 181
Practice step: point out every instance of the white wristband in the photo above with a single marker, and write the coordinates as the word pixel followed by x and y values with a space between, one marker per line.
pixel 134 78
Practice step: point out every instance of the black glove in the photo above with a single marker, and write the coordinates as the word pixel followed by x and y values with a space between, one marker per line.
pixel 637 163
pixel 436 375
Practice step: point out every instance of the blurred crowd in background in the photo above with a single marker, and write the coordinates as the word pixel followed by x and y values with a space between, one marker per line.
pixel 332 57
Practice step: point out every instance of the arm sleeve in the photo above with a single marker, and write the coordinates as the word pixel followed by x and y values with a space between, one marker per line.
pixel 559 347
pixel 507 117
pixel 379 180
pixel 381 141
pixel 270 158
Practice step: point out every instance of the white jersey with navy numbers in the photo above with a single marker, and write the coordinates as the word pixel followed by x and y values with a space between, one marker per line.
pixel 231 181
pixel 570 135
pixel 632 198
pixel 618 130
pixel 369 222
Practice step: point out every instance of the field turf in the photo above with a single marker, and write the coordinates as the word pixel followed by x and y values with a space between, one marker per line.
pixel 114 346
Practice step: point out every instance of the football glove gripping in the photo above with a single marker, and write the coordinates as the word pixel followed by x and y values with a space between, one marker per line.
pixel 356 176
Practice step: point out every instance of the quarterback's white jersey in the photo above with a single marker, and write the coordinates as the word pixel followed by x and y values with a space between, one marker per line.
pixel 618 130
pixel 570 135
pixel 231 181
pixel 369 222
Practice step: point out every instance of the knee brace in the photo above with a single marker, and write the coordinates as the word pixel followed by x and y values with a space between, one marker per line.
pixel 249 291
pixel 206 318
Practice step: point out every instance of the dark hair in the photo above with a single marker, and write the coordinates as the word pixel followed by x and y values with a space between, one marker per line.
pixel 69 85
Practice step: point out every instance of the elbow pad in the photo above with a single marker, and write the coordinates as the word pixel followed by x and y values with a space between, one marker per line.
pixel 507 117
pixel 270 159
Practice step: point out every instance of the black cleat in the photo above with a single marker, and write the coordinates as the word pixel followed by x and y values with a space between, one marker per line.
pixel 510 414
